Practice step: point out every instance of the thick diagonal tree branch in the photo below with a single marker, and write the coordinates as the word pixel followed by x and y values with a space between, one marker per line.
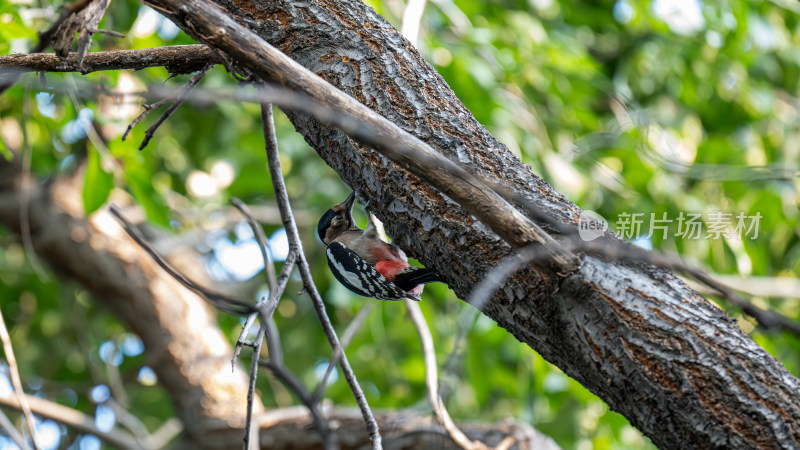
pixel 655 350
pixel 223 33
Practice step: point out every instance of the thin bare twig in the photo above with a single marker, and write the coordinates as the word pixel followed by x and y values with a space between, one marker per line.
pixel 251 388
pixel 329 439
pixel 180 96
pixel 222 302
pixel 274 295
pixel 295 243
pixel 269 331
pixel 129 421
pixel 275 363
pixel 757 286
pixel 113 33
pixel 165 433
pixel 269 268
pixel 16 382
pixel 140 117
pixel 266 322
pixel 264 309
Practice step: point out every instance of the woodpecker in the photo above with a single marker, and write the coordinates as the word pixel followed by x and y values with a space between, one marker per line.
pixel 364 263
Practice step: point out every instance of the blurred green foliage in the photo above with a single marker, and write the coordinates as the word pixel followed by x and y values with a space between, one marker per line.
pixel 663 107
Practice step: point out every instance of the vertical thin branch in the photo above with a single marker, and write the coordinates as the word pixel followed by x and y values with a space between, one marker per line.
pixel 295 243
pixel 269 331
pixel 15 380
pixel 251 388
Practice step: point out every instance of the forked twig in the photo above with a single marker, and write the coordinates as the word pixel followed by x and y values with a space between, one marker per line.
pixel 140 117
pixel 180 96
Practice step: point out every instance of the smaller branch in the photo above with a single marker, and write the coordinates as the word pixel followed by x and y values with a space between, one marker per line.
pixel 177 59
pixel 775 287
pixel 140 117
pixel 116 34
pixel 165 433
pixel 15 380
pixel 180 96
pixel 269 267
pixel 74 419
pixel 242 341
pixel 251 388
pixel 221 302
pixel 275 364
pixel 274 295
pixel 129 421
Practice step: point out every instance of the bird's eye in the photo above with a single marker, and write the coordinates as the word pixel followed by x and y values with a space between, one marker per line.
pixel 336 219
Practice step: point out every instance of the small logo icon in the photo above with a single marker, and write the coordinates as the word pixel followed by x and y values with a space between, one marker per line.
pixel 591 225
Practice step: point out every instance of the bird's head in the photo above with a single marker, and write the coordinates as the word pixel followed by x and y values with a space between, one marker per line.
pixel 337 220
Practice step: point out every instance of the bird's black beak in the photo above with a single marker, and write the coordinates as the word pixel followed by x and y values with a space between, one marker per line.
pixel 348 204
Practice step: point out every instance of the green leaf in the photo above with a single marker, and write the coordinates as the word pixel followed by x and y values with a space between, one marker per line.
pixel 139 182
pixel 97 184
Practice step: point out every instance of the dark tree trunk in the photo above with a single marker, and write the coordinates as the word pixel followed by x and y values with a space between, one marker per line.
pixel 659 353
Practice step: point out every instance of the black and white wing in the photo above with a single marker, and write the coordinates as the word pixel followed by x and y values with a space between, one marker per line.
pixel 360 277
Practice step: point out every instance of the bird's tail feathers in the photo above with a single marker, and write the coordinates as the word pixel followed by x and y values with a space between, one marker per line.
pixel 412 277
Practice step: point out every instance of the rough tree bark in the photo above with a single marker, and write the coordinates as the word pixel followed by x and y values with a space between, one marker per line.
pixel 656 351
